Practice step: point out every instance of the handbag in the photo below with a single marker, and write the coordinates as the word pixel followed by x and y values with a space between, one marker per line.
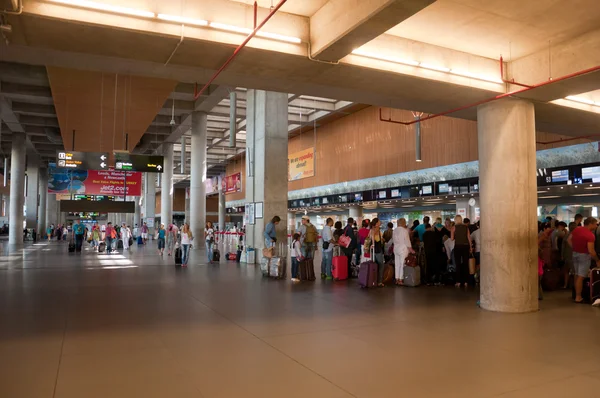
pixel 472 265
pixel 267 252
pixel 326 245
pixel 344 241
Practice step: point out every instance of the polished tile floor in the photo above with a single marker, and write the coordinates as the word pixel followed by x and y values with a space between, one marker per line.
pixel 133 325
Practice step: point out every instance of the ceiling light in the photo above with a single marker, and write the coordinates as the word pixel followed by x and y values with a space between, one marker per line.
pixel 549 197
pixel 247 31
pixel 476 76
pixel 385 57
pixel 106 7
pixel 581 100
pixel 593 188
pixel 183 20
pixel 585 194
pixel 434 67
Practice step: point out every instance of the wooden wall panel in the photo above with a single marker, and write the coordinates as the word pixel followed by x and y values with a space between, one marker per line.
pixel 178 201
pixel 103 107
pixel 360 146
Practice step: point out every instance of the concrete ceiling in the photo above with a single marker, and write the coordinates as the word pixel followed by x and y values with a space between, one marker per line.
pixel 489 28
pixel 50 35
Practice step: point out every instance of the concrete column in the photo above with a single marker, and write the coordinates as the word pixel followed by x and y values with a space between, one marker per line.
pixel 356 212
pixel 31 200
pixel 507 174
pixel 137 214
pixel 222 209
pixel 52 216
pixel 149 199
pixel 43 192
pixel 17 188
pixel 187 205
pixel 198 175
pixel 166 193
pixel 266 162
pixel 291 223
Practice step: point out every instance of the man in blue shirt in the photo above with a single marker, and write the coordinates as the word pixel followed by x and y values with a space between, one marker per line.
pixel 420 229
pixel 78 231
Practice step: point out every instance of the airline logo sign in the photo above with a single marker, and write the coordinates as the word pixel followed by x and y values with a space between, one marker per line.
pixel 82 160
pixel 301 164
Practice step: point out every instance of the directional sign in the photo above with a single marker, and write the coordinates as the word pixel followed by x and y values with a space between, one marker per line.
pixel 82 160
pixel 129 162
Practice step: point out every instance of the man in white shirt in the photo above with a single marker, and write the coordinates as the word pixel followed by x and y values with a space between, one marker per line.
pixel 402 247
pixel 327 259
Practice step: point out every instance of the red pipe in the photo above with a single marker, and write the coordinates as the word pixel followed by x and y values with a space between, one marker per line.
pixel 255 14
pixel 509 81
pixel 497 97
pixel 583 137
pixel 238 49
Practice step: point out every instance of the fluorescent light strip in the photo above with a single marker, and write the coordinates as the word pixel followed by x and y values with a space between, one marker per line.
pixel 183 20
pixel 411 62
pixel 586 194
pixel 107 8
pixel 247 31
pixel 582 100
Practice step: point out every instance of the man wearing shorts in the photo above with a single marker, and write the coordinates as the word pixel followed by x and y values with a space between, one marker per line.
pixel 145 232
pixel 582 241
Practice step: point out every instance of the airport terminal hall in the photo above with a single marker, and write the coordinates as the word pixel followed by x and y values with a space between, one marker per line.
pixel 299 198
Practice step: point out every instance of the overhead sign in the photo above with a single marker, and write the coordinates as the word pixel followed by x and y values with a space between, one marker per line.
pixel 301 164
pixel 93 182
pixel 82 160
pixel 148 163
pixel 232 183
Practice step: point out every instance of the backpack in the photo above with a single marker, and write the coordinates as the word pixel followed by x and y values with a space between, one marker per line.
pixel 113 233
pixel 311 234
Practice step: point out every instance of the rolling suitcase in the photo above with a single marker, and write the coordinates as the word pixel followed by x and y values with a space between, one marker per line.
pixel 595 285
pixel 265 262
pixel 367 274
pixel 277 267
pixel 119 244
pixel 389 273
pixel 101 247
pixel 71 247
pixel 339 268
pixel 216 255
pixel 306 269
pixel 339 265
pixel 412 276
pixel 140 241
pixel 177 256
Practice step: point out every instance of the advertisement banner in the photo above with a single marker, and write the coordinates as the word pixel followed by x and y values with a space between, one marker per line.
pixel 211 185
pixel 93 182
pixel 232 183
pixel 301 164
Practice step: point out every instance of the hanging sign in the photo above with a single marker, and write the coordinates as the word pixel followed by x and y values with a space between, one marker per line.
pixel 301 164
pixel 93 182
pixel 148 163
pixel 232 183
pixel 82 160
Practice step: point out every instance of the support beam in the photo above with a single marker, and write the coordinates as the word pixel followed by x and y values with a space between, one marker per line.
pixel 166 193
pixel 17 190
pixel 339 27
pixel 198 176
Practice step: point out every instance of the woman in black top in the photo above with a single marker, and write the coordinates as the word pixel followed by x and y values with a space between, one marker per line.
pixel 338 231
pixel 462 248
pixel 378 244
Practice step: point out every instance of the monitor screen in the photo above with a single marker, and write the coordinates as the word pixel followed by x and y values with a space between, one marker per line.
pixel 443 188
pixel 560 176
pixel 591 174
pixel 358 197
pixel 427 190
pixel 325 201
pixel 396 193
pixel 382 194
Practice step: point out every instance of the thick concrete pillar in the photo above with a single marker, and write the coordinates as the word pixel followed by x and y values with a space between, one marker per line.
pixel 52 216
pixel 166 193
pixel 222 208
pixel 43 193
pixel 31 200
pixel 356 212
pixel 150 200
pixel 17 189
pixel 137 214
pixel 266 162
pixel 198 175
pixel 187 205
pixel 508 197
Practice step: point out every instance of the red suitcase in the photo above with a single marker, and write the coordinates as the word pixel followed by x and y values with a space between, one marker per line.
pixel 339 268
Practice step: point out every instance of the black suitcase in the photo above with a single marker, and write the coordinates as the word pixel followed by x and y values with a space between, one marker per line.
pixel 71 247
pixel 216 256
pixel 177 256
pixel 120 244
pixel 595 285
pixel 306 269
pixel 101 247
